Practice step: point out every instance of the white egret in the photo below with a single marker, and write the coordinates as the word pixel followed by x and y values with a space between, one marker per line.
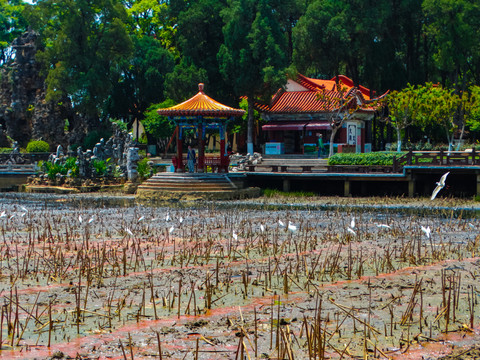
pixel 291 227
pixel 440 185
pixel 426 230
pixel 234 235
pixel 351 231
pixel 262 227
pixel 352 223
pixel 80 220
pixel 141 218
pixel 92 219
pixel 129 231
pixel 171 229
pixel 280 222
pixel 383 226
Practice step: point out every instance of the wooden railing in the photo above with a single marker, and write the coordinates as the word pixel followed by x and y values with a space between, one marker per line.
pixel 436 158
pixel 214 162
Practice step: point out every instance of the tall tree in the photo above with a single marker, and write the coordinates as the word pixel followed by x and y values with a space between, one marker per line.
pixel 199 37
pixel 141 81
pixel 439 105
pixel 252 56
pixel 12 24
pixel 454 26
pixel 403 107
pixel 84 42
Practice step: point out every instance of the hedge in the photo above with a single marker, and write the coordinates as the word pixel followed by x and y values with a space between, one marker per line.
pixel 374 158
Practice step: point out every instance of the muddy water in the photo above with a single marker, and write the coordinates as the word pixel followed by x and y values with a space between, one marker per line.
pixel 104 277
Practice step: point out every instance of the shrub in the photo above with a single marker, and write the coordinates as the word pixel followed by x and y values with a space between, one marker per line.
pixel 384 158
pixel 100 167
pixel 38 146
pixel 144 169
pixel 53 169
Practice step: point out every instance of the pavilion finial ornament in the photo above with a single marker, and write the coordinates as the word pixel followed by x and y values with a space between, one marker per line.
pixel 200 87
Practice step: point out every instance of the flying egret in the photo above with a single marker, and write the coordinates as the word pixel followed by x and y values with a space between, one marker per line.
pixel 383 226
pixel 291 227
pixel 3 214
pixel 426 230
pixel 24 208
pixel 440 185
pixel 280 222
pixel 141 218
pixel 129 231
pixel 92 219
pixel 351 231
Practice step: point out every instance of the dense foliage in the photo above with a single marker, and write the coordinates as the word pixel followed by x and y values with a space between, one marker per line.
pixel 114 58
pixel 375 158
pixel 35 146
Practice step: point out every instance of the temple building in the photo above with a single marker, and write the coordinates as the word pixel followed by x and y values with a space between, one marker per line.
pixel 303 110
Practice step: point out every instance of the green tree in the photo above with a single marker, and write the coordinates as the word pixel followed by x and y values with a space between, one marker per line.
pixel 12 24
pixel 454 27
pixel 141 81
pixel 159 126
pixel 403 108
pixel 84 43
pixel 183 81
pixel 440 105
pixel 252 56
pixel 199 37
pixel 152 18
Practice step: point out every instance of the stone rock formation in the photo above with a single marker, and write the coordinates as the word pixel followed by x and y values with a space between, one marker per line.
pixel 24 113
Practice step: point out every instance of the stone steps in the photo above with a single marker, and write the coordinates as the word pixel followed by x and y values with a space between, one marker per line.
pixel 186 182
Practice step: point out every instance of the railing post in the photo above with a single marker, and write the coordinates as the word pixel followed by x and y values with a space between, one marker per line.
pixel 441 157
pixel 474 161
pixel 395 163
pixel 409 157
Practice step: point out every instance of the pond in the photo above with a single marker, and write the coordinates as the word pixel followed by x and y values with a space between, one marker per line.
pixel 105 277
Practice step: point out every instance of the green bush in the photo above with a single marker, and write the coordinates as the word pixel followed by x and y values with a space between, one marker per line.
pixel 384 158
pixel 100 167
pixel 143 168
pixel 53 169
pixel 5 150
pixel 35 146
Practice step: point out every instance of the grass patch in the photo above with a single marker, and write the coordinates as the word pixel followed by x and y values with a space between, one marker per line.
pixel 271 193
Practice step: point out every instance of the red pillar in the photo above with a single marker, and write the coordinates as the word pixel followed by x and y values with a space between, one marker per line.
pixel 201 150
pixel 180 167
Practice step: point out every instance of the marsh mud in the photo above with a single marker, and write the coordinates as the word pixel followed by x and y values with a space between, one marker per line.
pixel 90 279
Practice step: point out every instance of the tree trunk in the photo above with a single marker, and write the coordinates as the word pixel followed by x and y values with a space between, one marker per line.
pixel 332 137
pixel 399 140
pixel 250 126
pixel 461 137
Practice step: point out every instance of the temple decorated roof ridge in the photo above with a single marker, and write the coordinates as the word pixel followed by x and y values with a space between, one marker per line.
pixel 320 96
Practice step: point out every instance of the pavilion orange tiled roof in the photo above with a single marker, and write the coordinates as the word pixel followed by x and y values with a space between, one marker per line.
pixel 201 105
pixel 320 96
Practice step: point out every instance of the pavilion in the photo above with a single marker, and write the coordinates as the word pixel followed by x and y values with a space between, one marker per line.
pixel 201 113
